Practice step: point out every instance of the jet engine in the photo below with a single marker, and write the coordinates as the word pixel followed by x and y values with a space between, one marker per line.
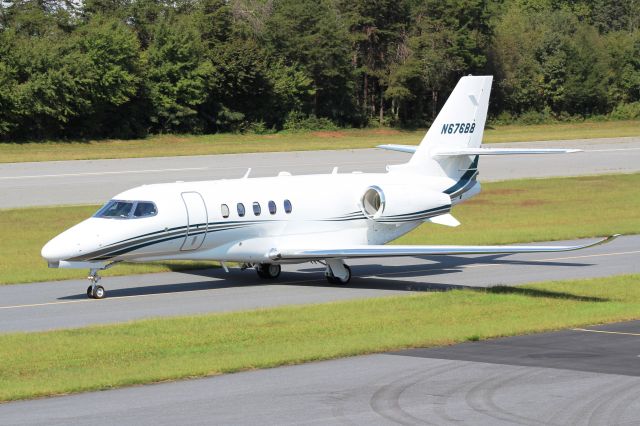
pixel 403 203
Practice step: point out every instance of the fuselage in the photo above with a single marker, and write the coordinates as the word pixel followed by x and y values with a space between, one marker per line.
pixel 242 219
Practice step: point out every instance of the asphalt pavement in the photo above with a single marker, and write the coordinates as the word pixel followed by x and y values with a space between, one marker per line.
pixel 586 376
pixel 64 304
pixel 96 181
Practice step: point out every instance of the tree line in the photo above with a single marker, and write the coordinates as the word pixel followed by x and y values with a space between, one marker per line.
pixel 127 68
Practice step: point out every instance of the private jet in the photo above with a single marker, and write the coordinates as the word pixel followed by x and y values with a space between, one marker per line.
pixel 263 223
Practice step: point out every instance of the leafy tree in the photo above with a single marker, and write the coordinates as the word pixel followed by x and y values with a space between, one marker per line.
pixel 378 30
pixel 311 33
pixel 177 76
pixel 107 59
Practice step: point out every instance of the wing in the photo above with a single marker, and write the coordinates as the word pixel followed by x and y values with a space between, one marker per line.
pixel 361 251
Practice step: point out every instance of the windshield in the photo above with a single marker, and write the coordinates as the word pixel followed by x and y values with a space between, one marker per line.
pixel 127 209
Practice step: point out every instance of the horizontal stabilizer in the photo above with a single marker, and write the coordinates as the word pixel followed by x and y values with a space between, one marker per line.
pixel 443 152
pixel 400 148
pixel 444 219
pixel 363 251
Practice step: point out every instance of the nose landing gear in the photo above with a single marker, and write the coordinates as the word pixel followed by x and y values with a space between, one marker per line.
pixel 95 291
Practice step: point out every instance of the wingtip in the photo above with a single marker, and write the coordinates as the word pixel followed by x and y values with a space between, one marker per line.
pixel 608 239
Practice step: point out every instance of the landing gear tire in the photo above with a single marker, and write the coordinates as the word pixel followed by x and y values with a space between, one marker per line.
pixel 332 279
pixel 98 292
pixel 268 271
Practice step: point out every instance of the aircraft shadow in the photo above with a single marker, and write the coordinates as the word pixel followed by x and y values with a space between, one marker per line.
pixel 369 276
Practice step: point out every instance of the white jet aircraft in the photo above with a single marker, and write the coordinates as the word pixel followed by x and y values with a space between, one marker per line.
pixel 266 222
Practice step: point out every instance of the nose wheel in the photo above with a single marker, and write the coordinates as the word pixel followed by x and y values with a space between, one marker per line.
pixel 95 291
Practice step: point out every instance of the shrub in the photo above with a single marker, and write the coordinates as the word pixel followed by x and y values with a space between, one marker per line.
pixel 626 111
pixel 297 121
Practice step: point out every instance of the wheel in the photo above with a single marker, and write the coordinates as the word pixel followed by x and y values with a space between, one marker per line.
pixel 346 280
pixel 89 290
pixel 273 271
pixel 268 271
pixel 332 279
pixel 99 292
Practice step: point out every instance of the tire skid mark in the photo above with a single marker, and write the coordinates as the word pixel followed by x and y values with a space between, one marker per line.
pixel 480 397
pixel 386 400
pixel 440 409
pixel 526 377
pixel 620 408
pixel 605 407
pixel 575 409
pixel 340 400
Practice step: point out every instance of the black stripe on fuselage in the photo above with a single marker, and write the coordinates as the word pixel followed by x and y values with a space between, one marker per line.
pixel 463 183
pixel 134 243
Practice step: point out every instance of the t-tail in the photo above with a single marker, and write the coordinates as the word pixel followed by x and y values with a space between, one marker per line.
pixel 460 124
pixel 452 146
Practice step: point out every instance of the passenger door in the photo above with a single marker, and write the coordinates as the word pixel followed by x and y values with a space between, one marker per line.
pixel 197 221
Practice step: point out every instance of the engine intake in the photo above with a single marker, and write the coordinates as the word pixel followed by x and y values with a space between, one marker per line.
pixel 403 203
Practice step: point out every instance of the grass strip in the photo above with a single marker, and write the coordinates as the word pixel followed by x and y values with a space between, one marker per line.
pixel 505 212
pixel 176 145
pixel 103 357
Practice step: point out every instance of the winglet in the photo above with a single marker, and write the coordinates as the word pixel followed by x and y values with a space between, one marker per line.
pixel 605 240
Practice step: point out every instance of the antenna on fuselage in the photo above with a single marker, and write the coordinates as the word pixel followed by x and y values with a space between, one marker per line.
pixel 246 175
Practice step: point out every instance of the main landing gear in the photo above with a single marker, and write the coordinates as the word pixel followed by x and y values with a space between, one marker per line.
pixel 269 271
pixel 337 272
pixel 95 291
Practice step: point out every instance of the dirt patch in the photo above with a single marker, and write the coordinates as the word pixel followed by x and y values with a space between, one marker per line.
pixel 531 203
pixel 329 134
pixel 481 202
pixel 505 191
pixel 385 132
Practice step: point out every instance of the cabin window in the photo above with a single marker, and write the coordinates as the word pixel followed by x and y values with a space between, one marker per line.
pixel 224 209
pixel 145 209
pixel 115 209
pixel 256 208
pixel 240 209
pixel 287 206
pixel 272 207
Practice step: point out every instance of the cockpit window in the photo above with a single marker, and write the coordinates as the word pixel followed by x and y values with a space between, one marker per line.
pixel 144 209
pixel 115 208
pixel 119 209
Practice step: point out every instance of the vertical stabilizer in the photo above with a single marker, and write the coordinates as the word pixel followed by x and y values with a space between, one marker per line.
pixel 460 124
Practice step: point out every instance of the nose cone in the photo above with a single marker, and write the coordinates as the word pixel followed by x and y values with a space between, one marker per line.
pixel 73 242
pixel 59 248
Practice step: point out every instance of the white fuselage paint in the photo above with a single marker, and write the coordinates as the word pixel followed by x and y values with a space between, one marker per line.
pixel 326 209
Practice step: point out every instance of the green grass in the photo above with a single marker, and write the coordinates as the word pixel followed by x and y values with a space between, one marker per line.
pixel 173 145
pixel 104 357
pixel 505 212
pixel 541 210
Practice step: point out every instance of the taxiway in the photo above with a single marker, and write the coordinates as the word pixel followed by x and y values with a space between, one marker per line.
pixel 96 181
pixel 64 304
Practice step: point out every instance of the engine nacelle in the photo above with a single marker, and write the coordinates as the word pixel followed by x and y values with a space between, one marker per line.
pixel 403 203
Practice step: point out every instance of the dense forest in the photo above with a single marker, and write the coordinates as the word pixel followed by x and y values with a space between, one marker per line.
pixel 127 68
